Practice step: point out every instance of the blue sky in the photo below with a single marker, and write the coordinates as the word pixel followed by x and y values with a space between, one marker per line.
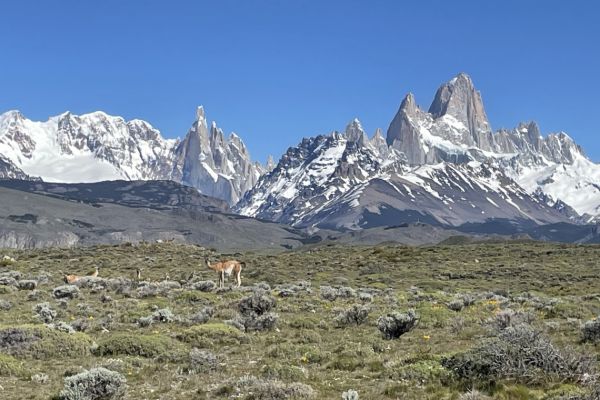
pixel 275 71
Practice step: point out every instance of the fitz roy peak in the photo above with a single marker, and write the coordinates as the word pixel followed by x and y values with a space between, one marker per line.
pixel 96 146
pixel 443 166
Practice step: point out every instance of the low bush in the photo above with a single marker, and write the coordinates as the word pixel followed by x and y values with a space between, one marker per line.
pixel 133 344
pixel 396 324
pixel 522 354
pixel 202 316
pixel 350 395
pixel 66 292
pixel 255 313
pixel 210 335
pixel 202 361
pixel 590 330
pixel 204 286
pixel 355 315
pixel 43 342
pixel 44 312
pixel 268 389
pixel 95 384
pixel 5 305
pixel 27 284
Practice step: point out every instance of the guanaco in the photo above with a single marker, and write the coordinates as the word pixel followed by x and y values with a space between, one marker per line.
pixel 71 278
pixel 227 267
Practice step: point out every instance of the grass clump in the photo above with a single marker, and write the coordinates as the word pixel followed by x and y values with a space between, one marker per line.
pixel 10 366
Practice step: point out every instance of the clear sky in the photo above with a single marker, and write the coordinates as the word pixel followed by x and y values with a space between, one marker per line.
pixel 275 71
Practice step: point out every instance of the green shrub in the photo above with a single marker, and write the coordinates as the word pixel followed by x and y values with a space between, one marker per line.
pixel 211 334
pixel 150 346
pixel 42 342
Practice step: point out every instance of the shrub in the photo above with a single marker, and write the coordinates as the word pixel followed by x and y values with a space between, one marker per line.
pixel 590 330
pixel 330 293
pixel 355 315
pixel 62 327
pixel 202 361
pixel 163 315
pixel 456 305
pixel 149 346
pixel 34 295
pixel 145 321
pixel 365 297
pixel 202 316
pixel 66 292
pixel 209 335
pixel 255 313
pixel 95 384
pixel 43 342
pixel 44 312
pixel 520 353
pixel 508 317
pixel 473 395
pixel 258 303
pixel 262 286
pixel 8 281
pixel 285 372
pixel 5 305
pixel 27 284
pixel 268 389
pixel 40 379
pixel 204 286
pixel 397 324
pixel 350 395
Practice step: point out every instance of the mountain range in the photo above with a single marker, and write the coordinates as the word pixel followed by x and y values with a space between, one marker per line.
pixel 96 147
pixel 445 167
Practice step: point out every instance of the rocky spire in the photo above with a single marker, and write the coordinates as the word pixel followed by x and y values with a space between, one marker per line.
pixel 355 133
pixel 459 99
pixel 402 133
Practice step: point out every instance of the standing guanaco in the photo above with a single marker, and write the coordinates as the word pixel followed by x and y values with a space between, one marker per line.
pixel 227 267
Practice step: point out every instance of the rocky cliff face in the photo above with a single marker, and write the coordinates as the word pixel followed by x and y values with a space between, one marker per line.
pixel 95 147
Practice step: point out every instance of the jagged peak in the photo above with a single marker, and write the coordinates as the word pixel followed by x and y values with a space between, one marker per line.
pixel 355 133
pixel 461 76
pixel 409 104
pixel 200 113
pixel 11 115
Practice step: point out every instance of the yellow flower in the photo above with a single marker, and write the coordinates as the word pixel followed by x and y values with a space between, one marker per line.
pixel 72 318
pixel 426 337
pixel 90 317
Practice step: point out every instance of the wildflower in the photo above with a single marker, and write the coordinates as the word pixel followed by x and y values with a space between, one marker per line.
pixel 426 337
